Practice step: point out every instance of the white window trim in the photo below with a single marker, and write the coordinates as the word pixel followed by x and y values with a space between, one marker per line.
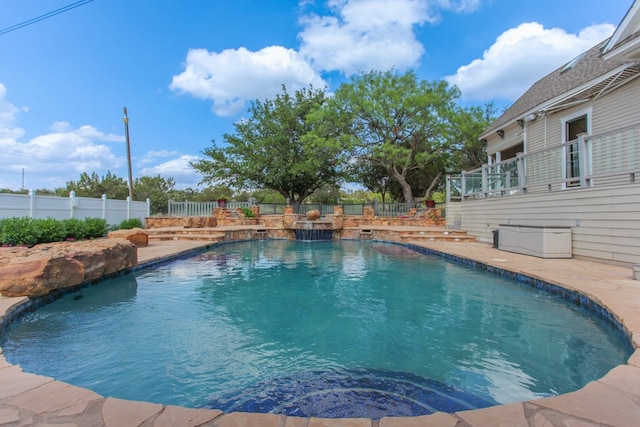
pixel 563 127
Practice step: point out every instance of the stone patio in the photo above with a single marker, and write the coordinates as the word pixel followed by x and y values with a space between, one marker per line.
pixel 614 400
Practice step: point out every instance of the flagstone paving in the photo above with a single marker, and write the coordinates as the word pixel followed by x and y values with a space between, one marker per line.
pixel 614 400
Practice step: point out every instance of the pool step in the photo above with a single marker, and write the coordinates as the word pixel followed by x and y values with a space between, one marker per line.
pixel 438 236
pixel 179 233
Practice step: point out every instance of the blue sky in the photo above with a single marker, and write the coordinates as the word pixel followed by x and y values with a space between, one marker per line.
pixel 187 69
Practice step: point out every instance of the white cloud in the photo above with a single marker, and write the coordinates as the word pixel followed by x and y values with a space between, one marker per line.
pixel 459 6
pixel 52 159
pixel 356 35
pixel 179 169
pixel 60 126
pixel 63 154
pixel 234 76
pixel 8 118
pixel 520 56
pixel 363 35
pixel 153 155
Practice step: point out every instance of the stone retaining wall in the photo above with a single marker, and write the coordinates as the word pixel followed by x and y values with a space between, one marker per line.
pixel 230 217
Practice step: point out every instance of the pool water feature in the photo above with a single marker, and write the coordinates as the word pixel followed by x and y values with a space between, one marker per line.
pixel 313 234
pixel 313 230
pixel 329 329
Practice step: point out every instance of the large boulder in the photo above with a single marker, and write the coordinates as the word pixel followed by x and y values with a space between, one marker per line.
pixel 137 236
pixel 313 215
pixel 39 270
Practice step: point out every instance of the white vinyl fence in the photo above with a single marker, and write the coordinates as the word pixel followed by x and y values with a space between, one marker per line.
pixel 33 206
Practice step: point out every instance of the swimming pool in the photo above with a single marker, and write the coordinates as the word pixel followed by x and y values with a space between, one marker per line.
pixel 249 325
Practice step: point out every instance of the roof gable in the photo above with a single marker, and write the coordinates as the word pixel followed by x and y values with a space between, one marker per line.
pixel 593 73
pixel 586 68
pixel 628 28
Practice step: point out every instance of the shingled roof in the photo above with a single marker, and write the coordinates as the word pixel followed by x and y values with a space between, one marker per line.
pixel 567 79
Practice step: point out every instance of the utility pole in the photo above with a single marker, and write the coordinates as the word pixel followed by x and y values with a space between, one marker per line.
pixel 125 119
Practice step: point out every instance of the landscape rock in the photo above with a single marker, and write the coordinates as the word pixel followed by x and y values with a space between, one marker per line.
pixel 137 236
pixel 199 222
pixel 39 270
pixel 313 215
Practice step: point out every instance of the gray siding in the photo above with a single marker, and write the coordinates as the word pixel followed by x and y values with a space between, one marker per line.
pixel 617 110
pixel 605 222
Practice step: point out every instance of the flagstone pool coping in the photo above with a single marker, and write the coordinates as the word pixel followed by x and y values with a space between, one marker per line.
pixel 613 400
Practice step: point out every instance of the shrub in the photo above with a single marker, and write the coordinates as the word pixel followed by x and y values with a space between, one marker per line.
pixel 248 213
pixel 18 232
pixel 128 224
pixel 74 229
pixel 50 230
pixel 95 227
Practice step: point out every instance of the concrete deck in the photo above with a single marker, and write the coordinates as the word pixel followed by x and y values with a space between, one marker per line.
pixel 614 400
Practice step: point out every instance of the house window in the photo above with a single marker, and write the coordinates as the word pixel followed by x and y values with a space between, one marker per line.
pixel 573 126
pixel 510 153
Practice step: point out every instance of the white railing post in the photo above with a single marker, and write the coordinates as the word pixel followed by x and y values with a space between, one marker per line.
pixel 32 203
pixel 148 207
pixel 521 172
pixel 73 202
pixel 463 186
pixel 485 180
pixel 104 206
pixel 447 191
pixel 128 207
pixel 582 159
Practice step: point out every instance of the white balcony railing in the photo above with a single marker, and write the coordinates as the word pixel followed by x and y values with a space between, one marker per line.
pixel 591 160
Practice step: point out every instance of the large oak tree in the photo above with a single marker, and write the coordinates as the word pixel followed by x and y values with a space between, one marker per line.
pixel 397 123
pixel 279 147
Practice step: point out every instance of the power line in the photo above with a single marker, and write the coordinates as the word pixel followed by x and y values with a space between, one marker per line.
pixel 45 16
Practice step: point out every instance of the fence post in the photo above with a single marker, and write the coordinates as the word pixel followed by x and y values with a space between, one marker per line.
pixel 582 159
pixel 148 207
pixel 104 206
pixel 485 180
pixel 447 191
pixel 463 185
pixel 128 207
pixel 522 181
pixel 32 203
pixel 73 202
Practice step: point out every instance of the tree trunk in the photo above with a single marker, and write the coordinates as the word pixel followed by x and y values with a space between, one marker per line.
pixel 427 194
pixel 407 193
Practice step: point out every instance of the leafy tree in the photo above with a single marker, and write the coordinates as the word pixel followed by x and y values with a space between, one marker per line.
pixel 10 191
pixel 359 196
pixel 398 123
pixel 157 189
pixel 373 176
pixel 469 124
pixel 268 196
pixel 279 147
pixel 95 186
pixel 40 191
pixel 207 194
pixel 327 194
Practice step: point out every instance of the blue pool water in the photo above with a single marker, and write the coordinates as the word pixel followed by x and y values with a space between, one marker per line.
pixel 330 329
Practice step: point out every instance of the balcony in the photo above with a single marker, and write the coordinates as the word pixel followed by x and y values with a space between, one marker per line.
pixel 608 159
